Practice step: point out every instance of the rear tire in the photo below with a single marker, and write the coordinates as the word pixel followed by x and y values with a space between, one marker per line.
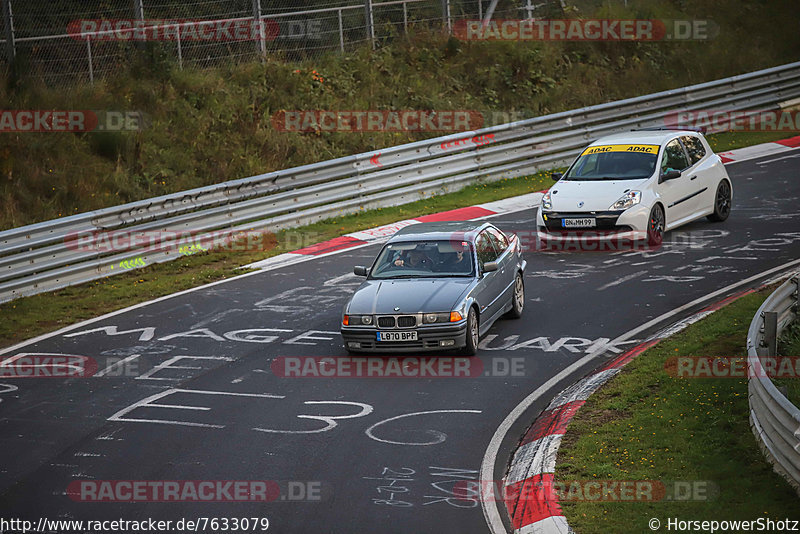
pixel 473 329
pixel 722 202
pixel 518 298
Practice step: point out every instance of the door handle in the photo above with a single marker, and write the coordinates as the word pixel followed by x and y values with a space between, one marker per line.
pixel 693 177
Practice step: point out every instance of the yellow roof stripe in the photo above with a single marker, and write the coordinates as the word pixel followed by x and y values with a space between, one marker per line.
pixel 643 149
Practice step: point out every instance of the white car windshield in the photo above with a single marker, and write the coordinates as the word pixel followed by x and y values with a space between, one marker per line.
pixel 614 162
pixel 424 259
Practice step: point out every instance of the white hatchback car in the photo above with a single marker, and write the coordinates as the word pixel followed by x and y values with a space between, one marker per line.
pixel 645 181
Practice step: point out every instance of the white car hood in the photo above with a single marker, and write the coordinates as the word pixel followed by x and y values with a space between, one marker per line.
pixel 595 195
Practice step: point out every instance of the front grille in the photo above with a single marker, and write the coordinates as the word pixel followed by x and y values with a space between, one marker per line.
pixel 406 321
pixel 386 322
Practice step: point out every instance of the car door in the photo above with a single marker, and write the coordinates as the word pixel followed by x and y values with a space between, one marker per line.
pixel 701 173
pixel 505 264
pixel 489 285
pixel 678 193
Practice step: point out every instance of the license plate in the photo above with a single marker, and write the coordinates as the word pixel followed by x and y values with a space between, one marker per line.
pixel 411 335
pixel 579 223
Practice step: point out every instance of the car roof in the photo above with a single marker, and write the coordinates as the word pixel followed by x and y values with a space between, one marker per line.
pixel 645 137
pixel 441 230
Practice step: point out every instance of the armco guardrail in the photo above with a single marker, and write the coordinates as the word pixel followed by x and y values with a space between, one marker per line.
pixel 775 421
pixel 36 258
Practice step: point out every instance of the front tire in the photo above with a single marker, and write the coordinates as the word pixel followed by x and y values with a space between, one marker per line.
pixel 655 226
pixel 473 330
pixel 518 299
pixel 722 202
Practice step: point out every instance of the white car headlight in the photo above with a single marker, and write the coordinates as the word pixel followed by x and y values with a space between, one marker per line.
pixel 546 202
pixel 627 200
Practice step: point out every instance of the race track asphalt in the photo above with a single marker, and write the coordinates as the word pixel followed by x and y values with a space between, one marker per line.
pixel 377 471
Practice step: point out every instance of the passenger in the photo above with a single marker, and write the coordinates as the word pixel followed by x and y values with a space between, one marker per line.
pixel 415 260
pixel 456 262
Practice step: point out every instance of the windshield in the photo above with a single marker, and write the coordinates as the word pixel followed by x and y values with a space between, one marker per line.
pixel 614 162
pixel 424 259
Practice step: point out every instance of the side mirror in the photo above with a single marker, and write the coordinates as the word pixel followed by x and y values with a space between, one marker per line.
pixel 670 175
pixel 556 176
pixel 360 270
pixel 489 266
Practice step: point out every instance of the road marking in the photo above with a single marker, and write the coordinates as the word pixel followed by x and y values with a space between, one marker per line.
pixel 366 409
pixel 440 436
pixel 778 159
pixel 491 512
pixel 621 280
pixel 147 403
pixel 8 388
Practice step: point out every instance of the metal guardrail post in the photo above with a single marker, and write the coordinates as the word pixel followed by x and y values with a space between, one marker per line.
pixel 447 22
pixel 771 333
pixel 138 9
pixel 180 52
pixel 489 12
pixel 341 32
pixel 138 14
pixel 370 22
pixel 261 44
pixel 8 22
pixel 528 10
pixel 89 55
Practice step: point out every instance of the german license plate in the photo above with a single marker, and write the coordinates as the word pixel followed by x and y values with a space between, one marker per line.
pixel 411 335
pixel 579 223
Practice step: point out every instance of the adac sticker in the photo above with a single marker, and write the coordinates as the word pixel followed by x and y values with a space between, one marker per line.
pixel 643 149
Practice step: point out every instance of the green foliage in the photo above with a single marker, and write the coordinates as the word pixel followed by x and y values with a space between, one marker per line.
pixel 211 125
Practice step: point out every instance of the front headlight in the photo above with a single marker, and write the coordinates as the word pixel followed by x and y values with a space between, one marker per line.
pixel 627 200
pixel 429 318
pixel 354 320
pixel 546 201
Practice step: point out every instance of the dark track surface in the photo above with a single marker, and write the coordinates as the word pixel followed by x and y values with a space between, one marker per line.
pixel 55 431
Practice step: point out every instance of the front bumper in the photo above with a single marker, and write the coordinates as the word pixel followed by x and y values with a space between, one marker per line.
pixel 428 338
pixel 632 219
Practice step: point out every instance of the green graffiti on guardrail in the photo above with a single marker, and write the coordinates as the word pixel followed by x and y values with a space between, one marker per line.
pixel 188 250
pixel 132 264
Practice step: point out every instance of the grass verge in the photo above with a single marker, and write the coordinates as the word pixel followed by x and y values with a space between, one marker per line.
pixel 647 425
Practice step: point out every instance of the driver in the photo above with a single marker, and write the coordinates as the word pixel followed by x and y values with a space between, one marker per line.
pixel 456 261
pixel 415 260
